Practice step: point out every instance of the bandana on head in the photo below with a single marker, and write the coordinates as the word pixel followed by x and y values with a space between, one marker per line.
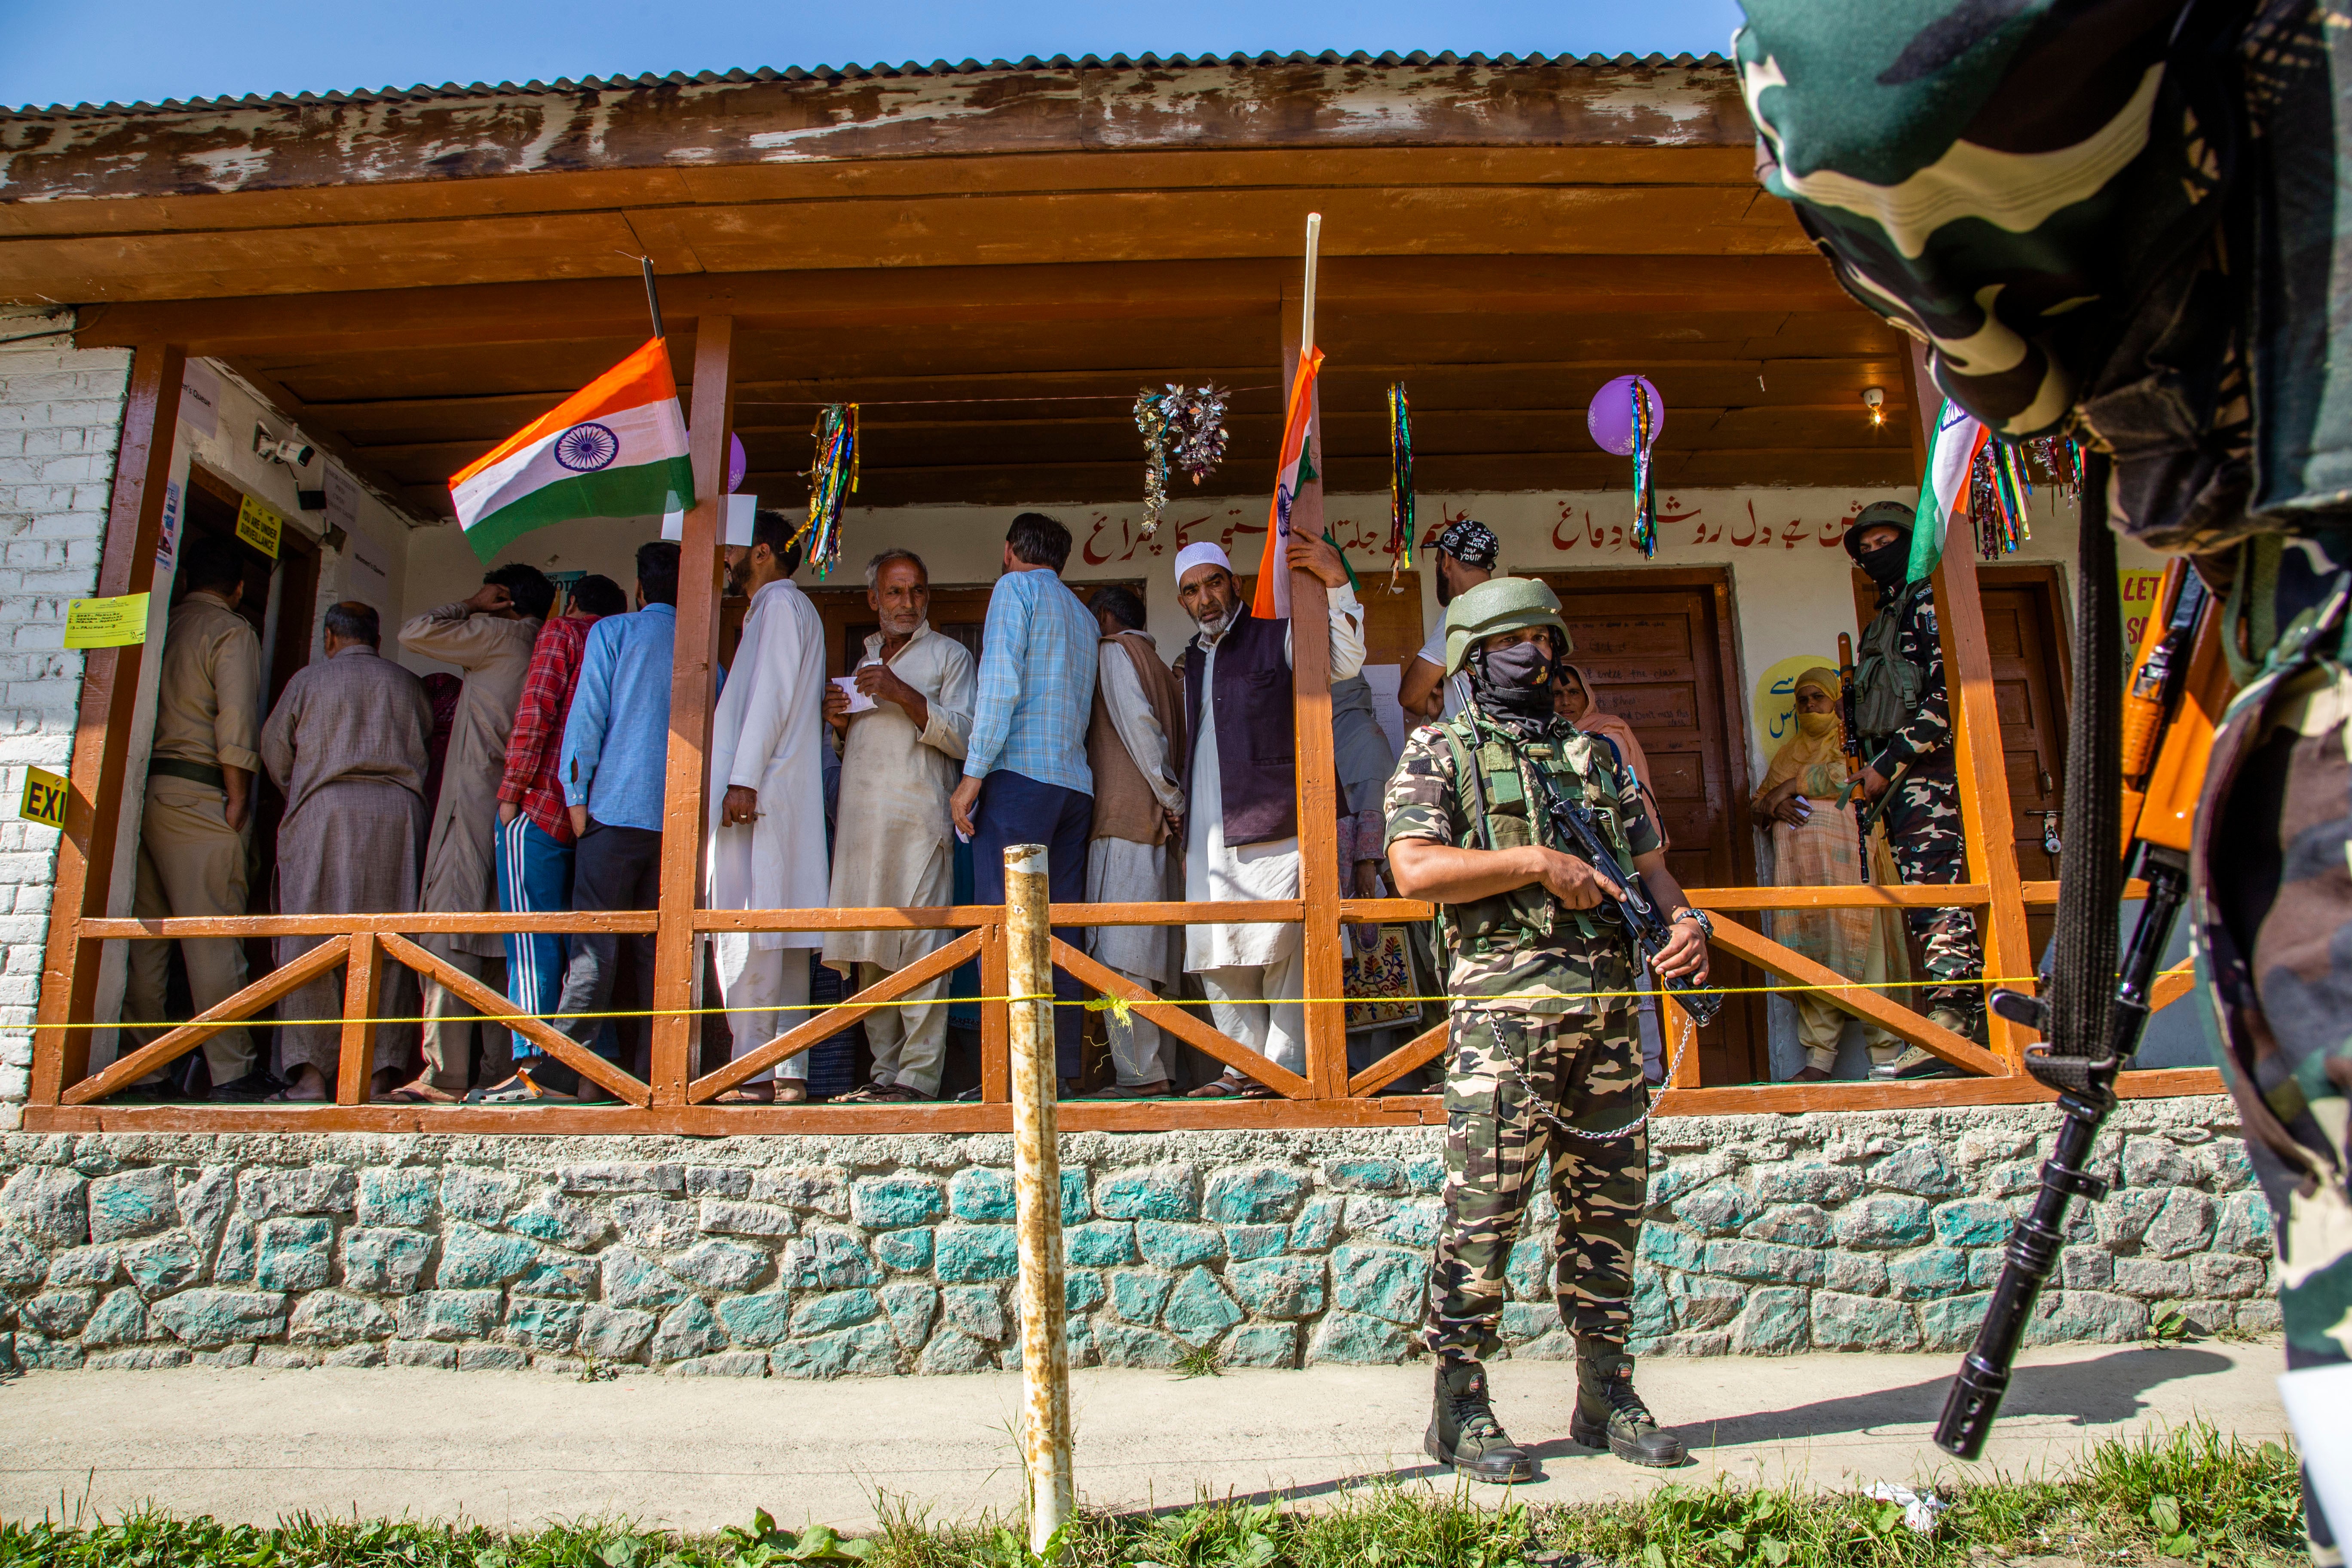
pixel 1200 553
pixel 1473 543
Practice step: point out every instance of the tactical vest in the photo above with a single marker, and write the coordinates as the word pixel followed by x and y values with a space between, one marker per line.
pixel 1887 688
pixel 1491 791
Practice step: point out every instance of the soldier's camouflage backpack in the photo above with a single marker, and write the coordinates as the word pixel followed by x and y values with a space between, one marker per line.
pixel 2114 218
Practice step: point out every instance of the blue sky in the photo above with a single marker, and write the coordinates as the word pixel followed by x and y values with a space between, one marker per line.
pixel 129 51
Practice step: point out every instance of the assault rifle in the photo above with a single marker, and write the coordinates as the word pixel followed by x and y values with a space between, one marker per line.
pixel 2179 685
pixel 1853 759
pixel 1650 930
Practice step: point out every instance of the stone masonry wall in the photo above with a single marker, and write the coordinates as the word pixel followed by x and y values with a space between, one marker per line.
pixel 815 1256
pixel 60 416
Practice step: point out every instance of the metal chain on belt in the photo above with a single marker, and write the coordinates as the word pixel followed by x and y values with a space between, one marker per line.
pixel 1690 1032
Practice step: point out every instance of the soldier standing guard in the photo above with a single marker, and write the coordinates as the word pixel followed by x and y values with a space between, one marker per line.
pixel 1904 723
pixel 1547 1057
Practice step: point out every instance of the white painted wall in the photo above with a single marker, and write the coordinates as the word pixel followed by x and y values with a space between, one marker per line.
pixel 60 416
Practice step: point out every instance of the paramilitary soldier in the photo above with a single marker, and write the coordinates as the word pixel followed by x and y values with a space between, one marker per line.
pixel 1904 723
pixel 1546 1055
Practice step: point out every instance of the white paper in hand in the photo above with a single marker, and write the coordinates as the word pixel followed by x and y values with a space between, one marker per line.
pixel 858 701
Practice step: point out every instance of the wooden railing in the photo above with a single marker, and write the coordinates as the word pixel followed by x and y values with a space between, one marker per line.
pixel 675 1097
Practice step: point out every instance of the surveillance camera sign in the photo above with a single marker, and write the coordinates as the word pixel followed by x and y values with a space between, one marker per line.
pixel 259 527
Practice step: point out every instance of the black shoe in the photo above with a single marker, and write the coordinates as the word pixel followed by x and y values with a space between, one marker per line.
pixel 253 1087
pixel 1464 1433
pixel 1609 1414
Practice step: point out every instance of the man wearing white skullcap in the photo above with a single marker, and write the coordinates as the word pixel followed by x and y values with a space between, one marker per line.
pixel 1241 787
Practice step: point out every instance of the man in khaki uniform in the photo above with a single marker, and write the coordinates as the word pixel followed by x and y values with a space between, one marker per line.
pixel 199 797
pixel 489 637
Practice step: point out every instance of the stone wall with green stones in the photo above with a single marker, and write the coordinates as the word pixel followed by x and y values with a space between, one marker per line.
pixel 822 1257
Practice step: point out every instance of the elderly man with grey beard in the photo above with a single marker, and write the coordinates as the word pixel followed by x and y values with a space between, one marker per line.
pixel 902 748
pixel 1241 785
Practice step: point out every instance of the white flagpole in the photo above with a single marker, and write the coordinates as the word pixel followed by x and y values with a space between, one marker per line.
pixel 1307 312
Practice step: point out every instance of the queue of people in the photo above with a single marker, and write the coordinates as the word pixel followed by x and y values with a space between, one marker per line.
pixel 1148 779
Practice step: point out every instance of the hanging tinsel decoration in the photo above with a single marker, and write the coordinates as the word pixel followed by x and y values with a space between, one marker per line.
pixel 2062 460
pixel 1182 427
pixel 1152 421
pixel 1400 486
pixel 1645 495
pixel 833 475
pixel 2000 494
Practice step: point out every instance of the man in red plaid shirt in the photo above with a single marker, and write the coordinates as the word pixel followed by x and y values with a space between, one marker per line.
pixel 535 837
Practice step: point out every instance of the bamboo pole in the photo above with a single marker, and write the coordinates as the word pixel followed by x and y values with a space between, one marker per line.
pixel 1037 1192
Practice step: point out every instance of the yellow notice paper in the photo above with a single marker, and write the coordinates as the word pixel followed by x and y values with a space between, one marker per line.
pixel 45 798
pixel 107 623
pixel 259 527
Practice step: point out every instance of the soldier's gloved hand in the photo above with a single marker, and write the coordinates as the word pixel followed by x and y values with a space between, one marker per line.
pixel 1575 882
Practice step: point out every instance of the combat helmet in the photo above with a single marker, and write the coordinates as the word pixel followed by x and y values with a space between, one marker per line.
pixel 1890 514
pixel 1497 605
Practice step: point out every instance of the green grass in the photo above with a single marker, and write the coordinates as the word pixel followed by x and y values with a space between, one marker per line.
pixel 2194 1494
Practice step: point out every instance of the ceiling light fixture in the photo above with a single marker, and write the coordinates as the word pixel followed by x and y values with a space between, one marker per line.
pixel 1874 399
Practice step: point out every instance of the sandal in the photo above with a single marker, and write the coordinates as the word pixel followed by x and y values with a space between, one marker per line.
pixel 881 1094
pixel 1231 1086
pixel 519 1090
pixel 418 1093
pixel 745 1094
pixel 1160 1090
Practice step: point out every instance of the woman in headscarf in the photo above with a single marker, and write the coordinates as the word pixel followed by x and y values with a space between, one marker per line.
pixel 1816 843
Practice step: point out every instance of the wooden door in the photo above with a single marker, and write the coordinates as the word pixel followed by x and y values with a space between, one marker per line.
pixel 2030 679
pixel 1656 647
pixel 2025 632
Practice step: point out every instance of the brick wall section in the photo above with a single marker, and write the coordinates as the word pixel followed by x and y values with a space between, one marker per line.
pixel 60 417
pixel 802 1256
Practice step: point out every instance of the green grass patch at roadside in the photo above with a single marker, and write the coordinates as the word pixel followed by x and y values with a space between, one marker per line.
pixel 2193 1496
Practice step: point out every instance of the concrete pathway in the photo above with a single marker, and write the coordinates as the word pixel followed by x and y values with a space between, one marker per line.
pixel 517 1449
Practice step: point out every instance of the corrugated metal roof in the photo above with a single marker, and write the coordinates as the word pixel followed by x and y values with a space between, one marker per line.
pixel 425 93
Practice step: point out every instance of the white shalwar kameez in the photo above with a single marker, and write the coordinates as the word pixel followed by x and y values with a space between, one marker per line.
pixel 1123 871
pixel 1254 975
pixel 768 734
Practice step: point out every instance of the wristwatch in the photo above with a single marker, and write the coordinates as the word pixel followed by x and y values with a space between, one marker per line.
pixel 1705 925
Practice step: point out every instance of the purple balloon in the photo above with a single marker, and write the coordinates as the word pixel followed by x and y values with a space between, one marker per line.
pixel 1610 417
pixel 736 463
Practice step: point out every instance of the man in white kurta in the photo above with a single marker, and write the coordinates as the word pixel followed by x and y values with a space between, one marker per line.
pixel 1254 975
pixel 767 801
pixel 901 756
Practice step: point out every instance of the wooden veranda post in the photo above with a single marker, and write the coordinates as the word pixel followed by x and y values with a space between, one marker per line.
pixel 1037 1195
pixel 1319 805
pixel 85 871
pixel 677 969
pixel 1987 824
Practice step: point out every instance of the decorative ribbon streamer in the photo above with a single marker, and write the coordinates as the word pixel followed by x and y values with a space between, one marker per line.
pixel 1400 486
pixel 1645 499
pixel 833 475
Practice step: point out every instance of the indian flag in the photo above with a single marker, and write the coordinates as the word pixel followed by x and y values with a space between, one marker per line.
pixel 1273 600
pixel 614 449
pixel 1944 493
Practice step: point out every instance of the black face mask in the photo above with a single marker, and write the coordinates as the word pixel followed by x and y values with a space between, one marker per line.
pixel 1519 679
pixel 1888 566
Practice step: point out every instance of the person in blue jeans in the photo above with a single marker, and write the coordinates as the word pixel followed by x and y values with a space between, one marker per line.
pixel 1025 779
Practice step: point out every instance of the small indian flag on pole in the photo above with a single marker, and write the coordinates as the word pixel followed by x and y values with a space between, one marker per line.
pixel 1272 600
pixel 614 449
pixel 1952 448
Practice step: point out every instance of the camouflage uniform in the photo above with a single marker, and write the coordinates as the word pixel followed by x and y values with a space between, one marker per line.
pixel 1552 1050
pixel 2272 903
pixel 1923 812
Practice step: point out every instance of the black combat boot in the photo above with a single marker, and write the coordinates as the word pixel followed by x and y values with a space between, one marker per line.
pixel 1464 1433
pixel 1609 1414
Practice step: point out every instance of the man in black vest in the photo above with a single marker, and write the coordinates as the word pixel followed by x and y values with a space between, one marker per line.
pixel 1242 841
pixel 1903 725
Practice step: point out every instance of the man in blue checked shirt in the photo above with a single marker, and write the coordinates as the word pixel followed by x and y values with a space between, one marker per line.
pixel 1025 779
pixel 613 770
